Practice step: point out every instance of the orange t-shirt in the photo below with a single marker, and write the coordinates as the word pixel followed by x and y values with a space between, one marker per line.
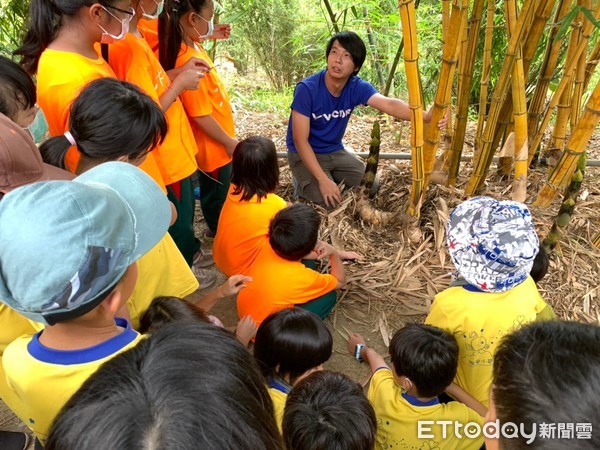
pixel 149 29
pixel 132 60
pixel 61 76
pixel 212 99
pixel 243 228
pixel 278 283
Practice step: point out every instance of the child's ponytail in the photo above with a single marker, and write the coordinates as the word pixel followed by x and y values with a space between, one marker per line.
pixel 44 22
pixel 170 33
pixel 54 151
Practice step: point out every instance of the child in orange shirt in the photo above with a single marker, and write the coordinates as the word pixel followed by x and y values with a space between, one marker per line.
pixel 132 60
pixel 181 32
pixel 249 207
pixel 279 278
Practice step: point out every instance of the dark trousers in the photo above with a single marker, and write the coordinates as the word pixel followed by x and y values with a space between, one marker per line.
pixel 214 187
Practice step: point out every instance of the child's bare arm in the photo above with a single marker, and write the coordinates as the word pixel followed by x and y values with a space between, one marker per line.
pixel 374 359
pixel 464 397
pixel 232 286
pixel 325 250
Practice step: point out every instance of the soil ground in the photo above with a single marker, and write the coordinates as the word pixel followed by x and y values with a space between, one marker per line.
pixel 406 262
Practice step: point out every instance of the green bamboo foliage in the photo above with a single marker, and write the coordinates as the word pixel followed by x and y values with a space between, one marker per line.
pixel 415 101
pixel 547 69
pixel 567 207
pixel 444 89
pixel 467 67
pixel 480 162
pixel 519 111
pixel 588 27
pixel 568 163
pixel 485 71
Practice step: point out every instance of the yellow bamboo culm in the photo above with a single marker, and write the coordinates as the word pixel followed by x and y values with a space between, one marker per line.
pixel 549 64
pixel 596 241
pixel 444 89
pixel 579 80
pixel 466 68
pixel 446 4
pixel 485 71
pixel 519 111
pixel 415 101
pixel 591 64
pixel 540 19
pixel 480 161
pixel 562 173
pixel 588 27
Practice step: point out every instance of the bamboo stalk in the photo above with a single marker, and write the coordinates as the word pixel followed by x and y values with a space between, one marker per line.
pixel 485 71
pixel 373 158
pixel 331 14
pixel 591 64
pixel 464 89
pixel 481 157
pixel 444 89
pixel 596 240
pixel 415 101
pixel 373 47
pixel 540 19
pixel 575 147
pixel 579 80
pixel 547 69
pixel 519 111
pixel 587 29
pixel 567 207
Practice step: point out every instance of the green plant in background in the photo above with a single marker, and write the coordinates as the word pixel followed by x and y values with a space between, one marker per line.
pixel 13 21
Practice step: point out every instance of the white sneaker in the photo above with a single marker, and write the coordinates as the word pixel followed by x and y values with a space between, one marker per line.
pixel 206 277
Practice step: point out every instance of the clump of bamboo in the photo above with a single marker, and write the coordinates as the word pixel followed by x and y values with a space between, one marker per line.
pixel 546 73
pixel 415 101
pixel 568 163
pixel 444 89
pixel 591 64
pixel 568 72
pixel 484 156
pixel 465 78
pixel 579 80
pixel 567 207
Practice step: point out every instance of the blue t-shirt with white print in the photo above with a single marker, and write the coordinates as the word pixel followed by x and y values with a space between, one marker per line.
pixel 328 115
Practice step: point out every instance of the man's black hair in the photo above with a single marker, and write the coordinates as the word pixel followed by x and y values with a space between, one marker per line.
pixel 353 44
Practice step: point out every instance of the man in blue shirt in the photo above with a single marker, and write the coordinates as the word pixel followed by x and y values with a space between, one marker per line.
pixel 321 109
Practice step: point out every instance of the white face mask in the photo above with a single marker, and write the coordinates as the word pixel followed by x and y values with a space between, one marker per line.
pixel 108 38
pixel 159 9
pixel 211 28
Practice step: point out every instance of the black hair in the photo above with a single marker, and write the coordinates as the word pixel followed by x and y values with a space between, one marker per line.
pixel 45 19
pixel 170 32
pixel 188 385
pixel 353 44
pixel 427 355
pixel 290 342
pixel 540 265
pixel 328 411
pixel 294 231
pixel 109 119
pixel 17 90
pixel 254 168
pixel 548 372
pixel 164 310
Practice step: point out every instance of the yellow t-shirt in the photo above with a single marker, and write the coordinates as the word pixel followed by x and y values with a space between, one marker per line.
pixel 279 398
pixel 398 417
pixel 278 283
pixel 212 99
pixel 12 326
pixel 132 60
pixel 243 228
pixel 61 76
pixel 478 321
pixel 40 380
pixel 161 272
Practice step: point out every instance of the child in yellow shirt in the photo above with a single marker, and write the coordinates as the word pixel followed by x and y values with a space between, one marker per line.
pixel 493 245
pixel 405 398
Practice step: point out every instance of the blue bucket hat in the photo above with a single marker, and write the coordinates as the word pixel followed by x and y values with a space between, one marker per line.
pixel 64 245
pixel 492 243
